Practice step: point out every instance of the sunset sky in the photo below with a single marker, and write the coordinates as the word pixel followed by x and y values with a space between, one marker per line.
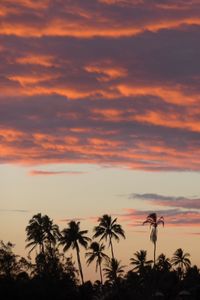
pixel 100 113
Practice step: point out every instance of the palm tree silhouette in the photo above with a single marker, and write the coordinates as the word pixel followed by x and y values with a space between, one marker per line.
pixel 35 233
pixel 40 232
pixel 113 270
pixel 51 231
pixel 71 237
pixel 181 261
pixel 163 263
pixel 154 222
pixel 108 229
pixel 140 261
pixel 98 255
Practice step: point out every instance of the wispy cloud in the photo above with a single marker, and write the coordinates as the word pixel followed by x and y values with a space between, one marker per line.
pixel 14 210
pixel 49 173
pixel 171 201
pixel 67 220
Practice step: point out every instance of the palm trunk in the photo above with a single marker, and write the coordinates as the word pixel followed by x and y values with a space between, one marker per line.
pixel 100 270
pixel 79 264
pixel 154 255
pixel 111 246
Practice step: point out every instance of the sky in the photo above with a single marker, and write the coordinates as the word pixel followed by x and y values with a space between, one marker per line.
pixel 100 113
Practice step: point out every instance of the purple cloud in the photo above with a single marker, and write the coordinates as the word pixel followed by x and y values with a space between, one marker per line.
pixel 171 201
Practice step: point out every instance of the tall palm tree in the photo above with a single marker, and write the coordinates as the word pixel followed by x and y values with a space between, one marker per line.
pixel 181 260
pixel 97 254
pixel 71 237
pixel 113 270
pixel 140 261
pixel 154 222
pixel 108 229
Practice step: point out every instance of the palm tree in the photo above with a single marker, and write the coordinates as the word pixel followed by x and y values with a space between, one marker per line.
pixel 35 233
pixel 181 260
pixel 108 229
pixel 154 222
pixel 40 232
pixel 140 261
pixel 51 232
pixel 98 255
pixel 113 270
pixel 71 237
pixel 163 263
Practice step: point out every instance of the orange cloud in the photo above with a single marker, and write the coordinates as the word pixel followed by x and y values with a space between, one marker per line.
pixel 76 20
pixel 106 73
pixel 33 4
pixel 169 120
pixel 42 60
pixel 170 94
pixel 62 29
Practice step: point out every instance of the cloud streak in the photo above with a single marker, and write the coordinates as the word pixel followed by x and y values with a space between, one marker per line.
pixel 50 173
pixel 14 210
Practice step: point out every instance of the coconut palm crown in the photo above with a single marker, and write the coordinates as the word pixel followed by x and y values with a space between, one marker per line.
pixel 140 262
pixel 113 270
pixel 181 260
pixel 41 232
pixel 108 229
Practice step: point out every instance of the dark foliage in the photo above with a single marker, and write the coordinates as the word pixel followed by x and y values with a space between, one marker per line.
pixel 53 275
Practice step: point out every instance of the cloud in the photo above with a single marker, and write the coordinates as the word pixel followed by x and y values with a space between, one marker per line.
pixel 14 210
pixel 110 18
pixel 67 220
pixel 45 129
pixel 114 83
pixel 171 201
pixel 49 173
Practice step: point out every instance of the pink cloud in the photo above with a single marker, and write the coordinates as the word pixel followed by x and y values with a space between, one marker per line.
pixel 49 173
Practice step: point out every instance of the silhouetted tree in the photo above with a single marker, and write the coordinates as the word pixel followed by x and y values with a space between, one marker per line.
pixel 35 233
pixel 113 270
pixel 41 232
pixel 140 261
pixel 154 222
pixel 71 237
pixel 51 232
pixel 108 229
pixel 181 261
pixel 97 254
pixel 163 263
pixel 8 260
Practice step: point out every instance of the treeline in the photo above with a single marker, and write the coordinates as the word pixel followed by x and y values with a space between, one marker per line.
pixel 53 275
